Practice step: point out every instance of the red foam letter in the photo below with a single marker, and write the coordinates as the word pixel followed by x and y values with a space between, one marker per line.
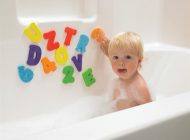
pixel 50 36
pixel 70 32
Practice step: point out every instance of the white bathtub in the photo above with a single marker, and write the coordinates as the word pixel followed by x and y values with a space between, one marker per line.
pixel 166 70
pixel 47 109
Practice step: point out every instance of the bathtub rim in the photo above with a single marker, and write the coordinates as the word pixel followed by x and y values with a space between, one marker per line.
pixel 165 47
pixel 107 126
pixel 179 112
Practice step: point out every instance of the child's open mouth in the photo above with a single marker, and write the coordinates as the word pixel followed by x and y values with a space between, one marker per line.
pixel 122 70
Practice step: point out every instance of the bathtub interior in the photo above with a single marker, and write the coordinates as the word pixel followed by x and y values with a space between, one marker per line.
pixel 165 71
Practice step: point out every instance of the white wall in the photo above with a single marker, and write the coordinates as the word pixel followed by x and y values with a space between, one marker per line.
pixel 9 26
pixel 142 17
pixel 175 22
pixel 164 21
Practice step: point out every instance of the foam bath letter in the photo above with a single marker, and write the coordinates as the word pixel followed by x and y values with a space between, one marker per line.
pixel 70 32
pixel 61 55
pixel 34 55
pixel 77 62
pixel 68 71
pixel 33 33
pixel 48 66
pixel 88 77
pixel 50 36
pixel 83 42
pixel 98 34
pixel 25 74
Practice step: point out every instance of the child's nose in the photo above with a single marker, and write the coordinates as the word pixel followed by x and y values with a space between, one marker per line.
pixel 122 63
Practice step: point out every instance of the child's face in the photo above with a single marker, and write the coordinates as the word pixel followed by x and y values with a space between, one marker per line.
pixel 124 63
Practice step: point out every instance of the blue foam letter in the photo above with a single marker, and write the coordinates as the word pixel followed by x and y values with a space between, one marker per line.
pixel 26 75
pixel 83 42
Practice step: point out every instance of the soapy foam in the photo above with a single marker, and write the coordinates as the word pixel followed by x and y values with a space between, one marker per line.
pixel 83 109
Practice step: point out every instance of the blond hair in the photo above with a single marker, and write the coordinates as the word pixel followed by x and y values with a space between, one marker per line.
pixel 127 41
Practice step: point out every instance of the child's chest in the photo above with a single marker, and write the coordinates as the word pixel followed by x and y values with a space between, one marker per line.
pixel 126 91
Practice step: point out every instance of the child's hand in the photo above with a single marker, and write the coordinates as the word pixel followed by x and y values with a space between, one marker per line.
pixel 122 104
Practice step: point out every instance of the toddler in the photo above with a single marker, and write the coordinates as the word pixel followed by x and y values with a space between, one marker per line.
pixel 125 53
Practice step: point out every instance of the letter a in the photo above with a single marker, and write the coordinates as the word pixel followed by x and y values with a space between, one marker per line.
pixel 48 66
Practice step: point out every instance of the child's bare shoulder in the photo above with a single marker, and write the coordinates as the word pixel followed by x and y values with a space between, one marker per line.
pixel 142 89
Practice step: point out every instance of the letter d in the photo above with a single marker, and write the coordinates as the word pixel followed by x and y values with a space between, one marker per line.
pixel 34 55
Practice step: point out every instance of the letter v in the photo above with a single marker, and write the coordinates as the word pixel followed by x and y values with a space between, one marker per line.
pixel 77 62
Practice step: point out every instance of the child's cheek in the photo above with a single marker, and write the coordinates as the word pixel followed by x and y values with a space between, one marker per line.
pixel 131 64
pixel 114 67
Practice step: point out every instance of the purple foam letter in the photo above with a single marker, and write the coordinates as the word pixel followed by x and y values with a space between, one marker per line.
pixel 34 55
pixel 78 62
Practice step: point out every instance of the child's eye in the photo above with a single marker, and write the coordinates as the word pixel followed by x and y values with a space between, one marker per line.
pixel 128 57
pixel 115 57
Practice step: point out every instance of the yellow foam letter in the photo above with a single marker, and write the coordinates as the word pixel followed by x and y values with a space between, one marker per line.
pixel 61 55
pixel 33 33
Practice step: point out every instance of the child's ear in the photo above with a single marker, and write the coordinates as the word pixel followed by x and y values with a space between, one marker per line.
pixel 139 63
pixel 140 60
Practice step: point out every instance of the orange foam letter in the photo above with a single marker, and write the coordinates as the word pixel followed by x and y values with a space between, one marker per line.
pixel 48 66
pixel 98 34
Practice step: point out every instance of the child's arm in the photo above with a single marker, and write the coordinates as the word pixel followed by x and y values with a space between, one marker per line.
pixel 122 103
pixel 104 46
pixel 100 37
